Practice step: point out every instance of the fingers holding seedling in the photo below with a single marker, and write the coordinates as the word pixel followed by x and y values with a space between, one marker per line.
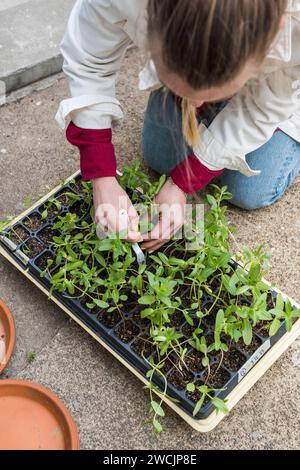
pixel 109 200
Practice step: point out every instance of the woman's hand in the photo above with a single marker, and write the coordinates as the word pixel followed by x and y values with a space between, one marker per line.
pixel 109 199
pixel 171 204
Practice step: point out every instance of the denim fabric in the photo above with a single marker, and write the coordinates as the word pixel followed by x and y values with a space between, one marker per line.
pixel 164 147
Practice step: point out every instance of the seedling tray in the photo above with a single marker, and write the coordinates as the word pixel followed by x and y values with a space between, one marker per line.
pixel 124 335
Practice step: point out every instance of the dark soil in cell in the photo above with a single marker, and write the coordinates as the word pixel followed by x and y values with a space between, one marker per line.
pixel 210 339
pixel 188 329
pixel 168 362
pixel 214 283
pixel 180 378
pixel 210 319
pixel 79 208
pixel 262 328
pixel 184 255
pixel 87 300
pixel 271 301
pixel 41 262
pixel 193 362
pixel 132 299
pixel 34 222
pixel 142 346
pixel 88 219
pixel 65 199
pixel 47 234
pixel 126 331
pixel 18 235
pixel 234 360
pixel 186 299
pixel 110 319
pixel 177 319
pixel 90 262
pixel 136 317
pixel 196 395
pixel 217 377
pixel 78 188
pixel 33 248
pixel 244 301
pixel 52 212
pixel 254 346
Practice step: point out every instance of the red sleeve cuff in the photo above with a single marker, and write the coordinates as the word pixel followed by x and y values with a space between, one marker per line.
pixel 191 175
pixel 97 153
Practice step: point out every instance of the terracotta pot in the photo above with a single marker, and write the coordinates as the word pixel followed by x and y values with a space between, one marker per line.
pixel 34 418
pixel 7 335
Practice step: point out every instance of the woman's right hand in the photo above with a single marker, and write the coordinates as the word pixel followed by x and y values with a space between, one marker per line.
pixel 109 199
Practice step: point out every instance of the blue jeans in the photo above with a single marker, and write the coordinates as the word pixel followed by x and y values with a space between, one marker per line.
pixel 163 147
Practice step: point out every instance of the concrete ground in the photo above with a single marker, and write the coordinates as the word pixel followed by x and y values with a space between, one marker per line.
pixel 109 404
pixel 30 34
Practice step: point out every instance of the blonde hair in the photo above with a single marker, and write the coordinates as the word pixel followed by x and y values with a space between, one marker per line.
pixel 190 124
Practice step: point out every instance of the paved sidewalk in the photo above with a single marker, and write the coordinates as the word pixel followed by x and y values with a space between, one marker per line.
pixel 30 34
pixel 108 403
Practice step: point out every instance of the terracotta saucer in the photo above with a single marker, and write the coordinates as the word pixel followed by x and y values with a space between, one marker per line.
pixel 34 418
pixel 7 335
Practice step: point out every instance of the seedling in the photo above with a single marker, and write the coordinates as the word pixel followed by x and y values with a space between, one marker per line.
pixel 31 355
pixel 207 393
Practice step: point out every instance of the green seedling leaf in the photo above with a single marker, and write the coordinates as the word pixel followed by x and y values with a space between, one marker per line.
pixel 163 258
pixel 220 405
pixel 242 290
pixel 157 426
pixel 157 408
pixel 100 303
pixel 147 313
pixel 199 404
pixel 190 388
pixel 105 245
pixel 205 362
pixel 275 325
pixel 90 306
pixel 212 201
pixel 247 332
pixel 73 266
pixel 146 300
pixel 27 202
pixel 188 318
pixel 31 355
pixel 288 324
pixel 115 296
pixel 161 339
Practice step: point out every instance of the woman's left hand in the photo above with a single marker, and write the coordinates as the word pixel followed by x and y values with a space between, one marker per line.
pixel 171 203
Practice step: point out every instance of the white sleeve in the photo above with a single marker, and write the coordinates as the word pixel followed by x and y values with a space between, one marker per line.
pixel 93 49
pixel 249 120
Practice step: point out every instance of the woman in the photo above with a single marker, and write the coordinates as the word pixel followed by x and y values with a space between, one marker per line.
pixel 224 77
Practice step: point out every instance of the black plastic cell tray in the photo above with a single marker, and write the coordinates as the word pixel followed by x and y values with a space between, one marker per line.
pixel 92 321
